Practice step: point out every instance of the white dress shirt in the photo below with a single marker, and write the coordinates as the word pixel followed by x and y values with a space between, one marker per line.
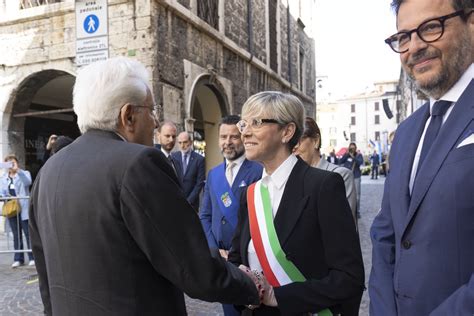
pixel 235 170
pixel 452 95
pixel 276 183
pixel 165 152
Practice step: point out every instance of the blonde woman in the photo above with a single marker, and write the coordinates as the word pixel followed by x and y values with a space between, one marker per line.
pixel 295 225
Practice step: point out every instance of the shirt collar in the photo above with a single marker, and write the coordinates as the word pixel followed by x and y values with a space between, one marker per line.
pixel 165 152
pixel 281 174
pixel 123 138
pixel 237 161
pixel 188 151
pixel 457 90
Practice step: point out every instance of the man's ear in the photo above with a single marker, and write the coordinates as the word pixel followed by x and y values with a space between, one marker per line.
pixel 127 117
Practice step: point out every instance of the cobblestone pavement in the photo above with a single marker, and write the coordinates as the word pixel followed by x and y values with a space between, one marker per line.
pixel 19 293
pixel 370 202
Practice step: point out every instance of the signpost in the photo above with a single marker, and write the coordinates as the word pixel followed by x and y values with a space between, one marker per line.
pixel 92 39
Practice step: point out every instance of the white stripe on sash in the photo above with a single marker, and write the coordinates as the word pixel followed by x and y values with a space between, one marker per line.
pixel 277 269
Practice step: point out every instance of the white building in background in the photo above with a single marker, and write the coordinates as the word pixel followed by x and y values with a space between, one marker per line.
pixel 331 125
pixel 367 119
pixel 371 116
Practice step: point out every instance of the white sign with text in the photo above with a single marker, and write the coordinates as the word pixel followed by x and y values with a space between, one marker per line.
pixel 92 42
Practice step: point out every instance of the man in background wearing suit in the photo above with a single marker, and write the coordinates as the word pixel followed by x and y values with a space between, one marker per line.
pixel 423 257
pixel 224 187
pixel 111 232
pixel 352 160
pixel 332 158
pixel 191 169
pixel 166 136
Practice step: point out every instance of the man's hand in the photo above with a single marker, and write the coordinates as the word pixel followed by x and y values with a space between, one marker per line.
pixel 224 253
pixel 14 165
pixel 267 296
pixel 255 280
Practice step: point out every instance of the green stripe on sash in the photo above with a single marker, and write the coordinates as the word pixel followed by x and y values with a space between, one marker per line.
pixel 288 266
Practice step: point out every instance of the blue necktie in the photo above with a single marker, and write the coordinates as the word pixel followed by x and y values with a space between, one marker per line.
pixel 185 162
pixel 437 113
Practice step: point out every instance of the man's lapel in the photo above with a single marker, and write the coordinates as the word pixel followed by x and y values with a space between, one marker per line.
pixel 452 129
pixel 240 179
pixel 408 148
pixel 293 202
pixel 245 240
pixel 178 164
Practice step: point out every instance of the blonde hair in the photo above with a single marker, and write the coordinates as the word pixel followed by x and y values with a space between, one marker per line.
pixel 283 107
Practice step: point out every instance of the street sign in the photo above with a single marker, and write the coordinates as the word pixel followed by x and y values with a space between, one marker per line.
pixel 92 42
pixel 87 58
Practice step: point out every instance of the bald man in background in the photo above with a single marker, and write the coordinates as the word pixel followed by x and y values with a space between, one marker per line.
pixel 190 168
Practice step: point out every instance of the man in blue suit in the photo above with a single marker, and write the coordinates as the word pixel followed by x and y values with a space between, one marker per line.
pixel 190 168
pixel 375 160
pixel 423 257
pixel 224 187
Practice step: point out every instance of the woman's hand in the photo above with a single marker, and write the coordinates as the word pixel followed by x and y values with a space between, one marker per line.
pixel 269 298
pixel 255 280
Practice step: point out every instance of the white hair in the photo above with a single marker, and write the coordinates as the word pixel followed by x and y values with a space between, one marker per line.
pixel 102 88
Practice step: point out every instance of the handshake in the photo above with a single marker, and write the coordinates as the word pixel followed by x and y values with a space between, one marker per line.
pixel 265 290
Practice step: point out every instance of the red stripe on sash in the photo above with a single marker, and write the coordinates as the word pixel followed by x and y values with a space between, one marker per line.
pixel 257 239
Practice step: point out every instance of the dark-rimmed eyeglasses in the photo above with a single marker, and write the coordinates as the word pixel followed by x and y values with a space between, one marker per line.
pixel 429 31
pixel 254 123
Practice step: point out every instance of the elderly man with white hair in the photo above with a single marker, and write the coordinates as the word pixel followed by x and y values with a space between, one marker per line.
pixel 111 231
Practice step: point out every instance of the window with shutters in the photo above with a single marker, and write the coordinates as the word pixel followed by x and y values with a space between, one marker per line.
pixel 208 10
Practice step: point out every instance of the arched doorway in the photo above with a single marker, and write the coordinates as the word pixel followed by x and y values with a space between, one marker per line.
pixel 208 105
pixel 41 106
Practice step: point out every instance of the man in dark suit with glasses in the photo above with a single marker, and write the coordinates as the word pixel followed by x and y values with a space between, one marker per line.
pixel 423 258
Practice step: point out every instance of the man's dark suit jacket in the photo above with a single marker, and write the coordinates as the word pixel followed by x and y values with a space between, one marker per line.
pixel 112 234
pixel 422 255
pixel 192 181
pixel 316 231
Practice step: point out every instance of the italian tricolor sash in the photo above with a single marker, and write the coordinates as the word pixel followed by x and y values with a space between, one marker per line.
pixel 277 269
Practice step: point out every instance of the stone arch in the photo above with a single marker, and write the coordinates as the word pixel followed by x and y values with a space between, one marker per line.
pixel 208 103
pixel 40 104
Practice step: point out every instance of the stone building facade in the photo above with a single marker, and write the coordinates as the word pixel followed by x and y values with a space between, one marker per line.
pixel 205 58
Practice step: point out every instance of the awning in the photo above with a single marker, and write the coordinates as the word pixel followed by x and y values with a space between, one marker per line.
pixel 341 152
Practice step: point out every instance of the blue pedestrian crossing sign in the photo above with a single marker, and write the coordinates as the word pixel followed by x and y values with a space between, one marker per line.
pixel 91 24
pixel 91 18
